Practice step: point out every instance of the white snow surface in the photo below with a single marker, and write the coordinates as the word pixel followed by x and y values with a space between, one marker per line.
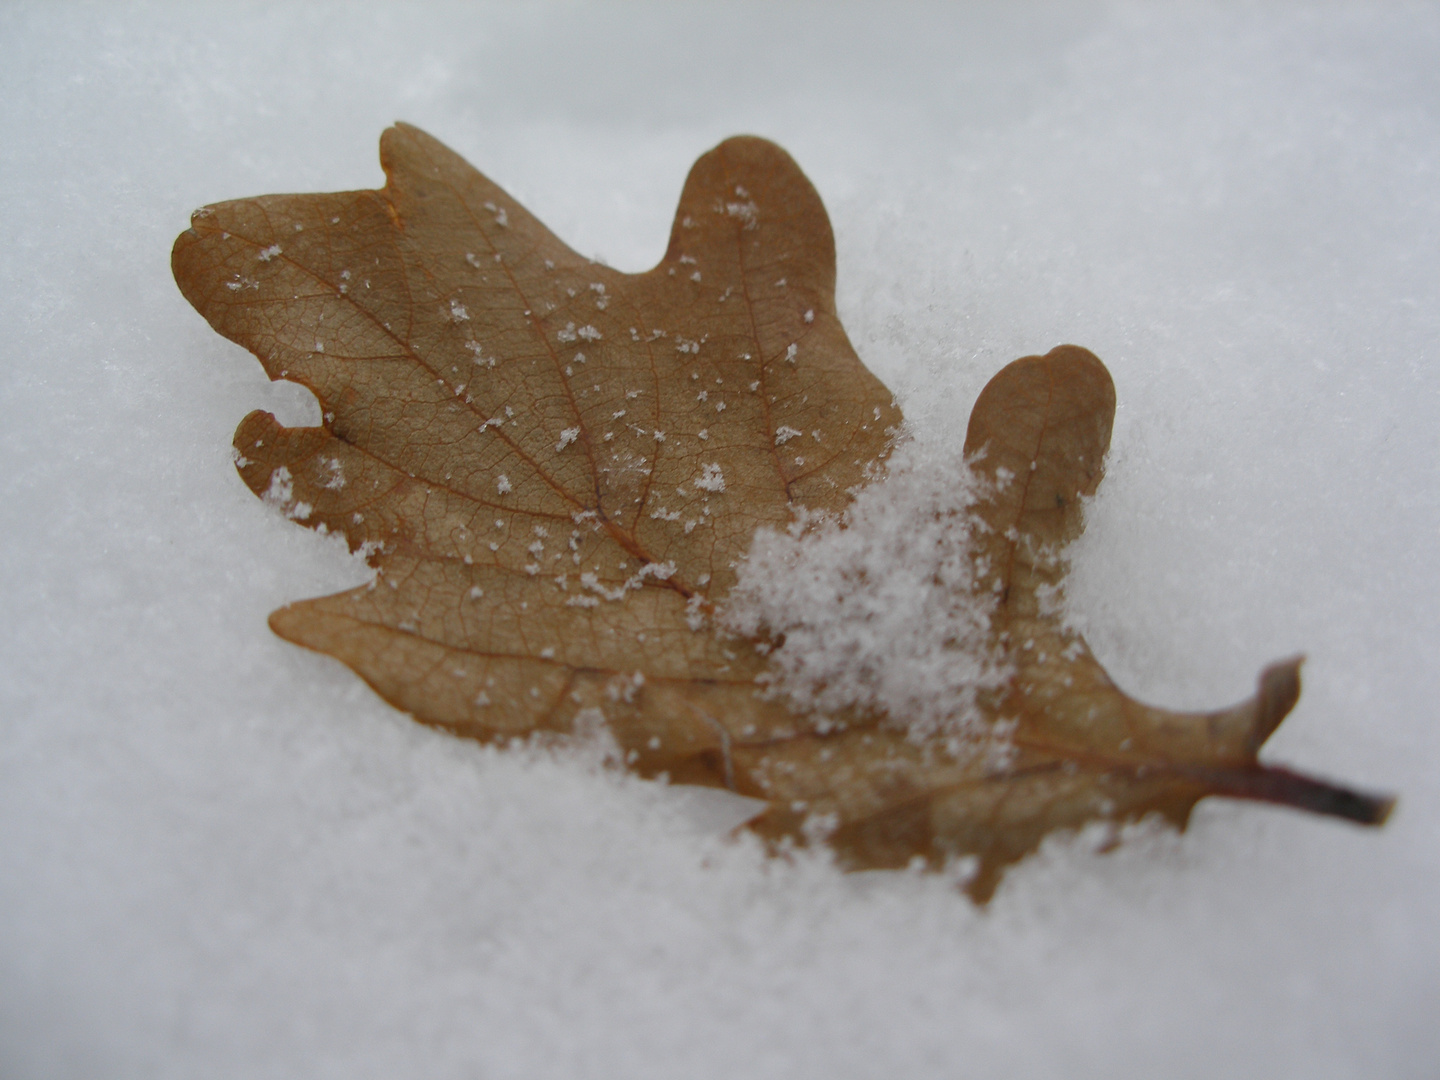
pixel 223 856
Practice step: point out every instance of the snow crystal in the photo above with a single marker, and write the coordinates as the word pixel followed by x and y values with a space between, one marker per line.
pixel 280 493
pixel 710 478
pixel 480 357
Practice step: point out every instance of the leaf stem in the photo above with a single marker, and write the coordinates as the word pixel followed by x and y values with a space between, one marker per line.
pixel 1264 783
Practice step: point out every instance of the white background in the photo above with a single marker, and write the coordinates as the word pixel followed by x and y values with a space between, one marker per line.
pixel 222 856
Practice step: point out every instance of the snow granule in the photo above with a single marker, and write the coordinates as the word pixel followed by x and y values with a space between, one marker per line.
pixel 711 478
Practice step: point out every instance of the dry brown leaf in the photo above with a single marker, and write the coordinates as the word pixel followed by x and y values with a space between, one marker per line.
pixel 556 468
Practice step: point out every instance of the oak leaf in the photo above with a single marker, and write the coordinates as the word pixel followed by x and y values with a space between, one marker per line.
pixel 556 470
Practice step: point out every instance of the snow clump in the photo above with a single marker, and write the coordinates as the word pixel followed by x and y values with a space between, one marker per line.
pixel 876 611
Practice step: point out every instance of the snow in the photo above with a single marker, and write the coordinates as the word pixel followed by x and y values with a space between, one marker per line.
pixel 711 478
pixel 878 610
pixel 224 856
